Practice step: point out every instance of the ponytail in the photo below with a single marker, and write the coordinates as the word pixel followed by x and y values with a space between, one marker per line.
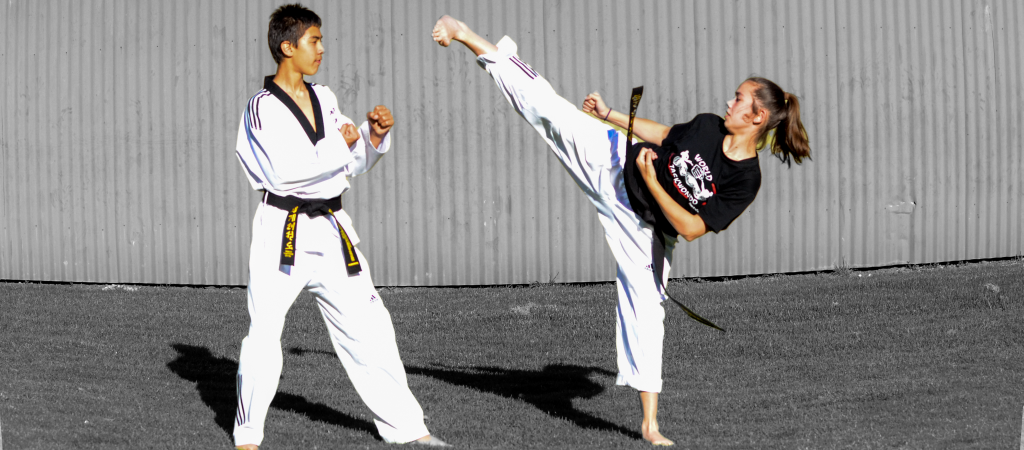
pixel 790 139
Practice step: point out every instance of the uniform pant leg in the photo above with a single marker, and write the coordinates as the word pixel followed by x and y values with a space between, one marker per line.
pixel 593 154
pixel 364 339
pixel 639 330
pixel 579 141
pixel 639 324
pixel 270 294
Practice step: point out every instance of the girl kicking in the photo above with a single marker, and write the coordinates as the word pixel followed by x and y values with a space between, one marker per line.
pixel 684 180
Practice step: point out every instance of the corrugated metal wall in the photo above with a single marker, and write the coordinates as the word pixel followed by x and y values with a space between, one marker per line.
pixel 119 122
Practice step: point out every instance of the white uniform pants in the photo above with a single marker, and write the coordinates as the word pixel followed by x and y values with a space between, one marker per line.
pixel 594 153
pixel 359 325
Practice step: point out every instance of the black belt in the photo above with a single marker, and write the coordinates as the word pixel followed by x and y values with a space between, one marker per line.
pixel 311 208
pixel 658 241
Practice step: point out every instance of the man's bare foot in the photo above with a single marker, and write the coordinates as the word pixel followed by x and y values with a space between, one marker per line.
pixel 652 435
pixel 430 441
pixel 446 29
pixel 247 447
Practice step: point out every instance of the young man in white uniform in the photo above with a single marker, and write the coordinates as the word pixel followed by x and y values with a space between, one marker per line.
pixel 298 149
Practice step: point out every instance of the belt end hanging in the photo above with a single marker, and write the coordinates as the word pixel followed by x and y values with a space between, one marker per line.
pixel 291 225
pixel 352 264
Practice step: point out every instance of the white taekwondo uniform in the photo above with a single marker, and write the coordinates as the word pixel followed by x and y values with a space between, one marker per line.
pixel 283 155
pixel 594 154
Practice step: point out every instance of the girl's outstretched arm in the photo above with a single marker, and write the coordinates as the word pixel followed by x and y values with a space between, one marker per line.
pixel 645 129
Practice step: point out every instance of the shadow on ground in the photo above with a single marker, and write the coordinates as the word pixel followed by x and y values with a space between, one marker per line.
pixel 550 390
pixel 297 351
pixel 215 381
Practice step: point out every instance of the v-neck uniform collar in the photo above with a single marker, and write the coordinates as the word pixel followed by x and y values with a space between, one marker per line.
pixel 314 136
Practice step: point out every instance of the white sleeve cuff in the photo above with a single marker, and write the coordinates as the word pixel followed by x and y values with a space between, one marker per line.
pixel 385 144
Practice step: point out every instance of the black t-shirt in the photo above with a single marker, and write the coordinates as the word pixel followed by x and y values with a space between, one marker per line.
pixel 694 170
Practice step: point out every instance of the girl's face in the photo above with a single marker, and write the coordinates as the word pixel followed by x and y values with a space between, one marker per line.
pixel 740 112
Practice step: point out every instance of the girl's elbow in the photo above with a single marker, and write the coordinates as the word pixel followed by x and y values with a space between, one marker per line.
pixel 693 231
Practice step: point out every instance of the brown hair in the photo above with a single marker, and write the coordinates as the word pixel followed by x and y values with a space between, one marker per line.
pixel 790 139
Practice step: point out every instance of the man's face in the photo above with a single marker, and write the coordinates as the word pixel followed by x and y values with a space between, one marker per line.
pixel 308 52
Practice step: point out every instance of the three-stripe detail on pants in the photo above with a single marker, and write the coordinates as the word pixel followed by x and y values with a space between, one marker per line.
pixel 524 66
pixel 241 415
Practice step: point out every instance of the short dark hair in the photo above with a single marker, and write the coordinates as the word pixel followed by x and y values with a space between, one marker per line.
pixel 289 23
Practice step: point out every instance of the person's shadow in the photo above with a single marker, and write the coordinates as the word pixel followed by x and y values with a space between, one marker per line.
pixel 215 381
pixel 550 390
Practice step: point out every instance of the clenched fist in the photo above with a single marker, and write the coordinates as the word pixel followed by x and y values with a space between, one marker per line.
pixel 350 133
pixel 380 120
pixel 594 105
pixel 645 162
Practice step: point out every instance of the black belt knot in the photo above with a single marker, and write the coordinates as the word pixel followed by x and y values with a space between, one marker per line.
pixel 315 208
pixel 311 208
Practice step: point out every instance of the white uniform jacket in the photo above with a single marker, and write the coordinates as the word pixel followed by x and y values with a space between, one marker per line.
pixel 281 153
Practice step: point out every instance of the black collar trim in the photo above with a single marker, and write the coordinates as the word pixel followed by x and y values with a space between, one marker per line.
pixel 314 136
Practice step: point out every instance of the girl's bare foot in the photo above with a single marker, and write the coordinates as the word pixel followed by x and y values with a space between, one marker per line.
pixel 652 435
pixel 446 29
pixel 649 426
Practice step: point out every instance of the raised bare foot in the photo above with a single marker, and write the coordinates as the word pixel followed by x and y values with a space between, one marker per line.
pixel 247 447
pixel 446 29
pixel 652 435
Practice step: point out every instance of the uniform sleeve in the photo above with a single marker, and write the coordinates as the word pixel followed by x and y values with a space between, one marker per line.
pixel 364 153
pixel 271 151
pixel 246 158
pixel 725 206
